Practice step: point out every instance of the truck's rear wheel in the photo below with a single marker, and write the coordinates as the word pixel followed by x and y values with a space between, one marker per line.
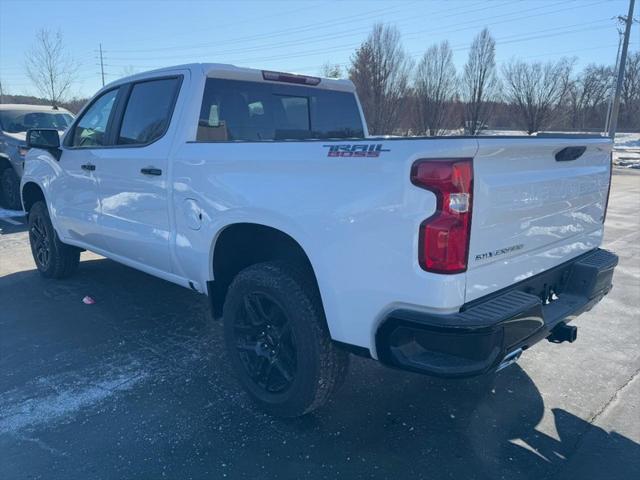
pixel 10 189
pixel 278 342
pixel 53 258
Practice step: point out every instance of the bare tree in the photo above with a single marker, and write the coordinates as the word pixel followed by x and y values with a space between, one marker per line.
pixel 536 90
pixel 331 70
pixel 587 96
pixel 75 104
pixel 49 67
pixel 479 82
pixel 631 92
pixel 380 70
pixel 435 87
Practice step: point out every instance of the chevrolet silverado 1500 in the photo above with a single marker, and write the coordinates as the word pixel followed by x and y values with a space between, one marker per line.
pixel 447 256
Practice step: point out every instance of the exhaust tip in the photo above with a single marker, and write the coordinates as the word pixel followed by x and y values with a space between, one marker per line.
pixel 510 359
pixel 563 333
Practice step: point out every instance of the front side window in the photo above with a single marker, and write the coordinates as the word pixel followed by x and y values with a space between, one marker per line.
pixel 92 126
pixel 253 111
pixel 148 111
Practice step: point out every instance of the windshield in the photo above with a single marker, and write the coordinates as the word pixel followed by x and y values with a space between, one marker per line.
pixel 14 121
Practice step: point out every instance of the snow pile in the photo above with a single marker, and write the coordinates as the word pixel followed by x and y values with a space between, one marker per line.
pixel 626 150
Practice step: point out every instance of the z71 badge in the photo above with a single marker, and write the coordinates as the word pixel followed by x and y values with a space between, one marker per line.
pixel 359 150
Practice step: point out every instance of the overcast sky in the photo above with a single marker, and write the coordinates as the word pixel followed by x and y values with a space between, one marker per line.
pixel 299 36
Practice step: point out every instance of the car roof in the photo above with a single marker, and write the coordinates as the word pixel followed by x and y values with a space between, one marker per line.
pixel 32 108
pixel 231 72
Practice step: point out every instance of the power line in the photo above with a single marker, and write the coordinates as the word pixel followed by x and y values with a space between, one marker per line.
pixel 522 17
pixel 208 29
pixel 275 33
pixel 600 47
pixel 456 48
pixel 351 45
pixel 308 39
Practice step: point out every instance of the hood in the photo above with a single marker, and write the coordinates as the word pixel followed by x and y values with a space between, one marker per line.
pixel 19 136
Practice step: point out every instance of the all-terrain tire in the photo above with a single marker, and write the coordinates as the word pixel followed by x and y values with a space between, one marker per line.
pixel 53 258
pixel 284 292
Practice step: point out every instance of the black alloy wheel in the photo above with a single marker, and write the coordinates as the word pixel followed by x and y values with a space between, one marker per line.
pixel 278 341
pixel 41 243
pixel 265 342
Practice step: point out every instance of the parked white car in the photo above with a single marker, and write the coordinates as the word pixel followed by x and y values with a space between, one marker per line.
pixel 447 256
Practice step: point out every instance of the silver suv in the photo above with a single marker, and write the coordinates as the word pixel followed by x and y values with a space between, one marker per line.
pixel 15 120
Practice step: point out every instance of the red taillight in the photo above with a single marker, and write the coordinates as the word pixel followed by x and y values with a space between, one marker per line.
pixel 444 237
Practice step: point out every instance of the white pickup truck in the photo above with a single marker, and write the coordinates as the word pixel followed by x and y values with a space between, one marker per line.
pixel 447 256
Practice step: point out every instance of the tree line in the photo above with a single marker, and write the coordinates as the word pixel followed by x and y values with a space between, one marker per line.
pixel 432 98
pixel 399 96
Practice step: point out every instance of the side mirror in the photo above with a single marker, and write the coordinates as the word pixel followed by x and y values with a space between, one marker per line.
pixel 45 139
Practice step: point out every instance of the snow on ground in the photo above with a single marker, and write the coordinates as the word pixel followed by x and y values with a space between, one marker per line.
pixel 626 150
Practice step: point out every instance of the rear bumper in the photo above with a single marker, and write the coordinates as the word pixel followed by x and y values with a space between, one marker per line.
pixel 491 331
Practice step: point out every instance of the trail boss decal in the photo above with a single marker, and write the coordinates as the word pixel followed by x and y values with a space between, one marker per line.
pixel 498 252
pixel 359 150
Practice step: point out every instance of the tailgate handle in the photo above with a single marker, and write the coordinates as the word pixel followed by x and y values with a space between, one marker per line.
pixel 569 153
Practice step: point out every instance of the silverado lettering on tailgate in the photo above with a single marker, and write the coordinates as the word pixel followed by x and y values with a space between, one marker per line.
pixel 499 251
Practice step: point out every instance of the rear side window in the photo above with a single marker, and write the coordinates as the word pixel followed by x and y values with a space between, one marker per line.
pixel 255 111
pixel 148 111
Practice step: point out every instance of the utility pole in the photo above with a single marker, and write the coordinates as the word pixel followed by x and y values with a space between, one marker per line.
pixel 621 68
pixel 102 63
pixel 607 120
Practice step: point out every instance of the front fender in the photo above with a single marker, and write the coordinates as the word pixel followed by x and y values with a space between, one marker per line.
pixel 41 169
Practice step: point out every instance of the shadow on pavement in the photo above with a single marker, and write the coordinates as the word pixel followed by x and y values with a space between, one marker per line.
pixel 12 224
pixel 137 386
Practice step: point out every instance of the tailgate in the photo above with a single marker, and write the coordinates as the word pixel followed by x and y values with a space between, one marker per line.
pixel 532 211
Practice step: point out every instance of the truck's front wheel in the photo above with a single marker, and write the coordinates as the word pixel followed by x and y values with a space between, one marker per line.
pixel 278 341
pixel 53 258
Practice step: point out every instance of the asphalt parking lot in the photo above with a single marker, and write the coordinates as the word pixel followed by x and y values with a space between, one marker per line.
pixel 137 386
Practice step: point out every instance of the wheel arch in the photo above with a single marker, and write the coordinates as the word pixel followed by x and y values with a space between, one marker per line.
pixel 4 162
pixel 31 193
pixel 239 245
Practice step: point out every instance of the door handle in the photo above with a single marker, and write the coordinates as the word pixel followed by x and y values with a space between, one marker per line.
pixel 88 167
pixel 151 171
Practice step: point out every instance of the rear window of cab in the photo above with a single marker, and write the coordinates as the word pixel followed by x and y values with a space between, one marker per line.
pixel 234 110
